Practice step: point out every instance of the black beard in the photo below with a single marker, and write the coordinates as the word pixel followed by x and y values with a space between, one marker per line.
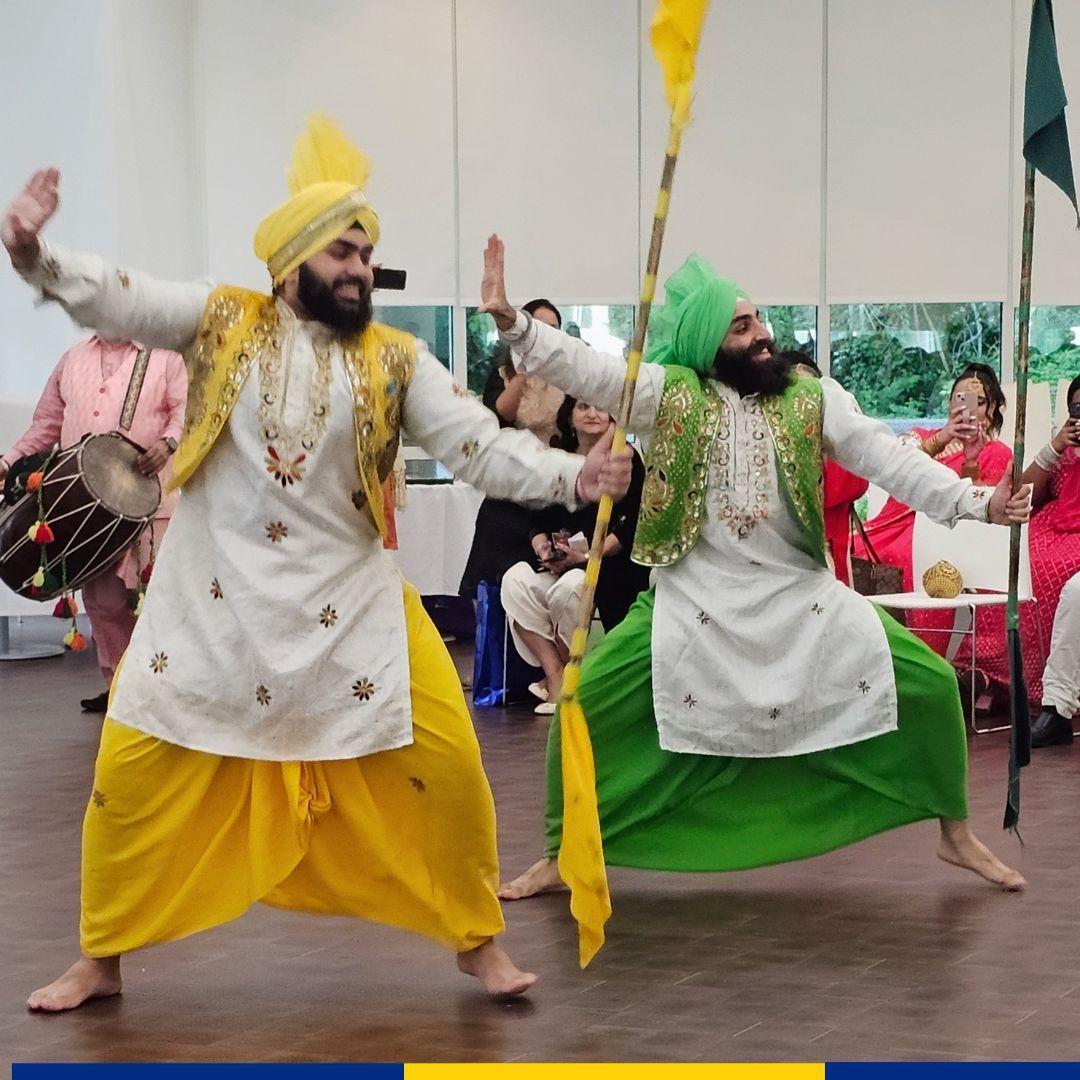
pixel 320 303
pixel 745 375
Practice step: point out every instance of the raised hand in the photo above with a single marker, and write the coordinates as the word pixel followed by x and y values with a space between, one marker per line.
pixel 27 215
pixel 1007 508
pixel 493 286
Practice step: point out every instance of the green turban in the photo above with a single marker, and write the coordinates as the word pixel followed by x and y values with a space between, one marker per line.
pixel 688 329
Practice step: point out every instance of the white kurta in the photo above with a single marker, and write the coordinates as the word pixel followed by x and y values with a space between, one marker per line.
pixel 757 650
pixel 274 625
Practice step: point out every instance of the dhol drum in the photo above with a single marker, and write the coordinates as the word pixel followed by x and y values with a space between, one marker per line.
pixel 96 503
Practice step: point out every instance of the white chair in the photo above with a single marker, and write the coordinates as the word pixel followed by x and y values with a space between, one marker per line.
pixel 1039 424
pixel 981 553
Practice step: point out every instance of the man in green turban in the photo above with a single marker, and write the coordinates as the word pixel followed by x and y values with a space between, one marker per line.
pixel 751 709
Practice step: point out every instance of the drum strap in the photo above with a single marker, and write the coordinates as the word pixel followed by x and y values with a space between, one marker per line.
pixel 135 385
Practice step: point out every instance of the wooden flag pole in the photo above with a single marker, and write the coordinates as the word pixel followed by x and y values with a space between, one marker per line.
pixel 581 856
pixel 1020 737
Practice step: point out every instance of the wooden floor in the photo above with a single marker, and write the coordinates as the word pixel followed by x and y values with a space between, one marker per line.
pixel 874 952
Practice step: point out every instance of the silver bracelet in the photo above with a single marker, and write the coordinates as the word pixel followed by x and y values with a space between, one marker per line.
pixel 1047 457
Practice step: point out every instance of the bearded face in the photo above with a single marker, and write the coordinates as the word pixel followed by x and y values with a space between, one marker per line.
pixel 343 303
pixel 753 368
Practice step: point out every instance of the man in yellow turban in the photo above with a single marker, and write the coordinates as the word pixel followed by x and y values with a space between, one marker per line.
pixel 286 725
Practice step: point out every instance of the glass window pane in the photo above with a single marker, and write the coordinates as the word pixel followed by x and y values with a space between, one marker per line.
pixel 793 326
pixel 606 327
pixel 1054 344
pixel 433 325
pixel 900 360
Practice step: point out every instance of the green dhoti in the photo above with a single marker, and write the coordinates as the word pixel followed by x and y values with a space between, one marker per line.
pixel 666 811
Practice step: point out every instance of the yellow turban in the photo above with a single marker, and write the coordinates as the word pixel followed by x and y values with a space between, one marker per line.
pixel 326 181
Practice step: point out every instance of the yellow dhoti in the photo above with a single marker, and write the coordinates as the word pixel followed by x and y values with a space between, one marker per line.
pixel 176 841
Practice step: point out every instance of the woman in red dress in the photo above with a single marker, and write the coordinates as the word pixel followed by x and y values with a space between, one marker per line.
pixel 969 449
pixel 973 450
pixel 1054 544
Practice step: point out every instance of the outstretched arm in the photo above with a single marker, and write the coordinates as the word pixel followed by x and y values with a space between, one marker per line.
pixel 116 303
pixel 453 427
pixel 867 448
pixel 564 361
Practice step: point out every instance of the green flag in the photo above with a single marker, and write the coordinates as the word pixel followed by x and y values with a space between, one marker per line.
pixel 1046 139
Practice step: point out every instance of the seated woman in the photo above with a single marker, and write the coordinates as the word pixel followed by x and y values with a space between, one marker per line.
pixel 971 449
pixel 1054 545
pixel 541 597
pixel 501 536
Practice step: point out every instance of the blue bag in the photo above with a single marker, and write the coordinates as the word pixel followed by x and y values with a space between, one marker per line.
pixel 500 676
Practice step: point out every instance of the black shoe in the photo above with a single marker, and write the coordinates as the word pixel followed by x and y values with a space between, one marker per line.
pixel 95 704
pixel 1051 729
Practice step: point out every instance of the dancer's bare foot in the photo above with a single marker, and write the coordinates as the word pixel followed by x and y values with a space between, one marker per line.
pixel 541 877
pixel 961 847
pixel 85 980
pixel 500 976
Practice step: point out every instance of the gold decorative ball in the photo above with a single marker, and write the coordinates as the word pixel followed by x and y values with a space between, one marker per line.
pixel 943 580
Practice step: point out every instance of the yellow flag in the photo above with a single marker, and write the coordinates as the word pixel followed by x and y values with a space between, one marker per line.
pixel 581 856
pixel 676 31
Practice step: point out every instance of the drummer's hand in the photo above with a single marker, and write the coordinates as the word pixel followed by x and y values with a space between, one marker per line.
pixel 27 215
pixel 153 461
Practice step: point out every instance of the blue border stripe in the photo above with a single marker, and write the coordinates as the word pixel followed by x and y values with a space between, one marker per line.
pixel 192 1071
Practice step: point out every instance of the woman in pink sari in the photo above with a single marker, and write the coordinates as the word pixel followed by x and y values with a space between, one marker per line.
pixel 1054 544
pixel 969 449
pixel 975 451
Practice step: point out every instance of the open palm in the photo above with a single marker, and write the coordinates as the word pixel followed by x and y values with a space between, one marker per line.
pixel 493 285
pixel 28 214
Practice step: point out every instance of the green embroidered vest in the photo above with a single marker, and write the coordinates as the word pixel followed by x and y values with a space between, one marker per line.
pixel 677 464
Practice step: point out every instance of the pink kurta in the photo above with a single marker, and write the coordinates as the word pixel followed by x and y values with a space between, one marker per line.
pixel 85 395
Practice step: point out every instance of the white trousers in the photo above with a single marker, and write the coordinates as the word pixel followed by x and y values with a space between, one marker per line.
pixel 1061 678
pixel 541 602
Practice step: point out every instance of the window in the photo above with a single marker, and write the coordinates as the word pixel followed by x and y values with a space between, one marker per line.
pixel 1054 344
pixel 607 327
pixel 793 326
pixel 433 325
pixel 900 360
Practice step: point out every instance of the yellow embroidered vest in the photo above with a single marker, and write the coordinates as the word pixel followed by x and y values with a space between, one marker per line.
pixel 238 325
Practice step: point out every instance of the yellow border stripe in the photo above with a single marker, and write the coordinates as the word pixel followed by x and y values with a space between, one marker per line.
pixel 568 1071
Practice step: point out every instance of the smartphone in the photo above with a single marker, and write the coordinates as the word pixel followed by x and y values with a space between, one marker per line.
pixel 970 398
pixel 579 542
pixel 389 279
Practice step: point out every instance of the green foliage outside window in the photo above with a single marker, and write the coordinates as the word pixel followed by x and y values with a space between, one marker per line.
pixel 900 360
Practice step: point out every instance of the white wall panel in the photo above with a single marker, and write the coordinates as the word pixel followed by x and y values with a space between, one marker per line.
pixel 748 184
pixel 383 69
pixel 548 145
pixel 918 139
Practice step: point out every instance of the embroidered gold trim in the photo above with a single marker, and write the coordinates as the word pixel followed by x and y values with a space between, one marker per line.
pixel 341 213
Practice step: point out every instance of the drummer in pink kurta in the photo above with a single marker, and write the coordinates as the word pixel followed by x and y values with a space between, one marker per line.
pixel 84 395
